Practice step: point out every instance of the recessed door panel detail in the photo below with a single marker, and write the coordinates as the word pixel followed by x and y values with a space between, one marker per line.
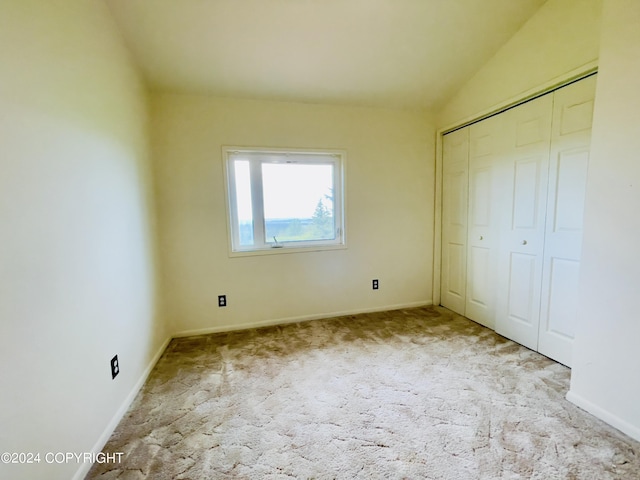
pixel 479 260
pixel 571 173
pixel 481 145
pixel 521 287
pixel 529 132
pixel 481 197
pixel 459 151
pixel 456 269
pixel 576 117
pixel 525 194
pixel 457 198
pixel 563 297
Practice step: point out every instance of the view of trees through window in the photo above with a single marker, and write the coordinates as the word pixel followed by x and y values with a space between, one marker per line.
pixel 318 227
pixel 292 198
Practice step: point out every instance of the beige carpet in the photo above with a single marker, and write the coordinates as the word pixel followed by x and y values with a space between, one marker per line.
pixel 418 393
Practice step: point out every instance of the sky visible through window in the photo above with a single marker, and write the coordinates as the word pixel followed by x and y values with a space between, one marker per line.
pixel 281 199
pixel 289 190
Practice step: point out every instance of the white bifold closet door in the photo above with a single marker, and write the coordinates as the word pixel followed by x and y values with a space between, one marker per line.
pixel 486 143
pixel 524 171
pixel 470 220
pixel 455 152
pixel 568 162
pixel 513 196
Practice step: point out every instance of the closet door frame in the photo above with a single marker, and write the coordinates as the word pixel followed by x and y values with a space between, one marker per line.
pixel 537 91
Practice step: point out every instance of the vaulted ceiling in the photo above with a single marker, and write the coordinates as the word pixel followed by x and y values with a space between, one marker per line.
pixel 392 53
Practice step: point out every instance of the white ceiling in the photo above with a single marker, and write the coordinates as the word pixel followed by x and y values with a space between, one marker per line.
pixel 393 53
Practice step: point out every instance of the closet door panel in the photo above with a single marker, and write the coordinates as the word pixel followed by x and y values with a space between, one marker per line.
pixel 569 159
pixel 455 158
pixel 525 194
pixel 521 291
pixel 480 291
pixel 524 176
pixel 485 147
pixel 569 177
pixel 558 320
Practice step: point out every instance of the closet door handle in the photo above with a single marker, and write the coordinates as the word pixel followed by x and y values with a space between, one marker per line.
pixel 524 242
pixel 481 237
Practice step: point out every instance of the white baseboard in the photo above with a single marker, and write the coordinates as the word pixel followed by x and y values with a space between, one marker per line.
pixel 302 318
pixel 124 406
pixel 604 415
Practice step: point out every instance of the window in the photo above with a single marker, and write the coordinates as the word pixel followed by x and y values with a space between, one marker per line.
pixel 284 200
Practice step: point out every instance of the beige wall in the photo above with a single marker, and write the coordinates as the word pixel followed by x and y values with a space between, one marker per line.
pixel 561 37
pixel 77 271
pixel 389 193
pixel 606 376
pixel 76 257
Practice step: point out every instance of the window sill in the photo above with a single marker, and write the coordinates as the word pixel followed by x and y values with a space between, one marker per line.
pixel 286 250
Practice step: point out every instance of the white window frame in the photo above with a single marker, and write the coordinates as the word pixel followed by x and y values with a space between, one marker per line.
pixel 257 156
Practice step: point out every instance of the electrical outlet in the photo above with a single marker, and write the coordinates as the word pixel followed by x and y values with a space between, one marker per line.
pixel 222 300
pixel 115 367
pixel 375 284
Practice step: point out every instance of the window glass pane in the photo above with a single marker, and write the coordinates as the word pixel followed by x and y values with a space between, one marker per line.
pixel 243 202
pixel 298 202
